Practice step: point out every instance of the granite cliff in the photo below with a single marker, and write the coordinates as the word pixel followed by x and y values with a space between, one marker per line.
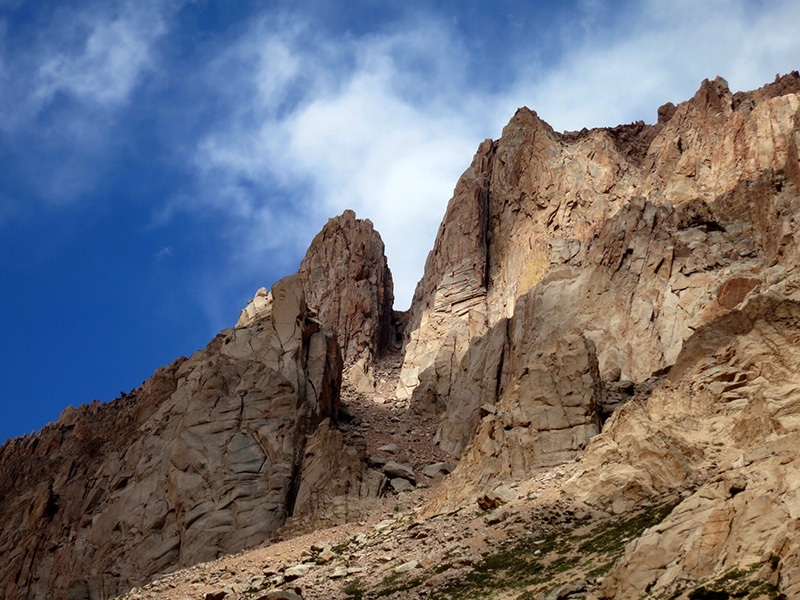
pixel 202 460
pixel 349 286
pixel 603 348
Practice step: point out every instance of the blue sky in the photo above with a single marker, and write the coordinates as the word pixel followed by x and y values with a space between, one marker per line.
pixel 162 159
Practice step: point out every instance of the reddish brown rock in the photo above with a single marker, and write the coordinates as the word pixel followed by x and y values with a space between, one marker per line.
pixel 735 289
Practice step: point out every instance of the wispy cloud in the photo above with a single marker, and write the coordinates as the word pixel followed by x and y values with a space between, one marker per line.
pixel 64 80
pixel 93 55
pixel 385 123
pixel 98 55
pixel 300 124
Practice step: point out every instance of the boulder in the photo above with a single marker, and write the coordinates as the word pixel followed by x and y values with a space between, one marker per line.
pixel 438 469
pixel 282 595
pixel 394 469
pixel 497 497
pixel 400 485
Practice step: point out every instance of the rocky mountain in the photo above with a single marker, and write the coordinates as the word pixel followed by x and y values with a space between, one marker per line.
pixel 346 276
pixel 633 236
pixel 593 395
pixel 348 285
pixel 202 460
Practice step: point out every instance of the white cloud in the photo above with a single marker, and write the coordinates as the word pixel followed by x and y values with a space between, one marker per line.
pixel 93 55
pixel 98 57
pixel 357 136
pixel 63 84
pixel 385 124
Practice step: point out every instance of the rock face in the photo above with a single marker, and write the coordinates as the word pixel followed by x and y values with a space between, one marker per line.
pixel 348 282
pixel 674 249
pixel 257 308
pixel 348 285
pixel 545 417
pixel 205 459
pixel 634 237
pixel 724 428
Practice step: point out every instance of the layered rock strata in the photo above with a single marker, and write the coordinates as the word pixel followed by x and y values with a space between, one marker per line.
pixel 204 459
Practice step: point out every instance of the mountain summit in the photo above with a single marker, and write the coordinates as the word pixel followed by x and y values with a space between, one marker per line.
pixel 594 394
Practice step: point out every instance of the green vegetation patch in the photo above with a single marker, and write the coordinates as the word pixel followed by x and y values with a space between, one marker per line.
pixel 532 566
pixel 610 537
pixel 395 582
pixel 354 590
pixel 737 583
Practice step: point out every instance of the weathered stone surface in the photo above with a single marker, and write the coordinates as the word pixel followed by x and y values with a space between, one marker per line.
pixel 348 282
pixel 348 286
pixel 563 592
pixel 257 308
pixel 438 469
pixel 335 485
pixel 394 469
pixel 725 428
pixel 298 571
pixel 399 484
pixel 448 308
pixel 200 461
pixel 545 417
pixel 282 595
pixel 407 566
pixel 497 497
pixel 635 236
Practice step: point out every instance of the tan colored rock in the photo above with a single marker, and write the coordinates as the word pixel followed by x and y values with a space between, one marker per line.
pixel 449 305
pixel 347 280
pixel 282 595
pixel 497 497
pixel 725 428
pixel 623 234
pixel 348 285
pixel 201 461
pixel 335 484
pixel 394 469
pixel 257 308
pixel 361 376
pixel 545 417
